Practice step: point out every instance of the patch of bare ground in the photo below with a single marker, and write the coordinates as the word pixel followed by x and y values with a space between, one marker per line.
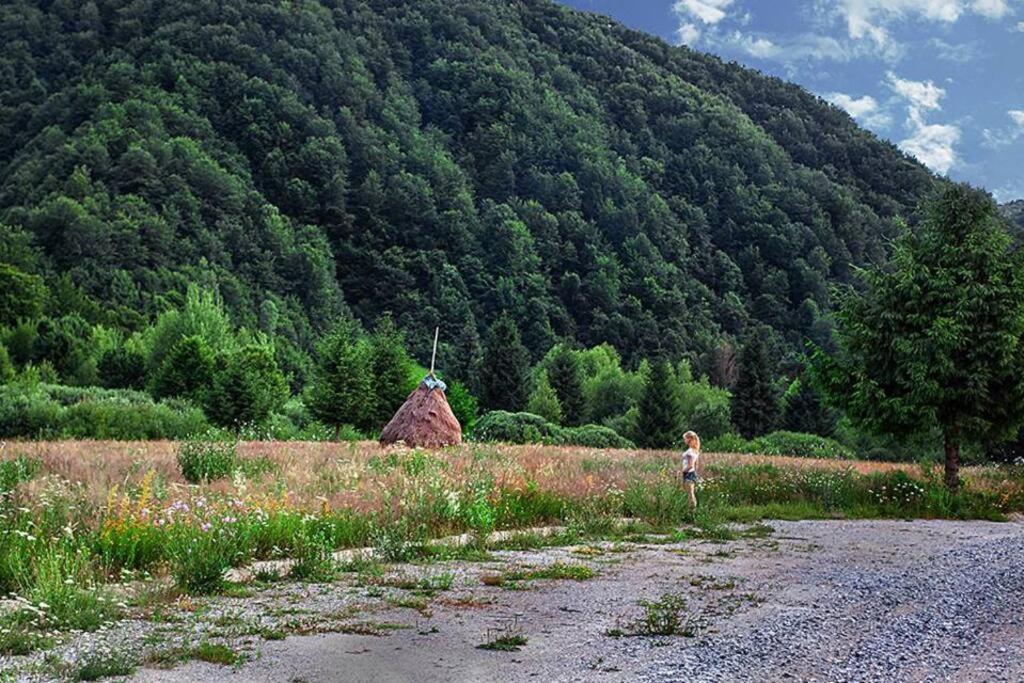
pixel 813 601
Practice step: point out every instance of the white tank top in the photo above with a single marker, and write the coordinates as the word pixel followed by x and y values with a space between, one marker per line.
pixel 690 460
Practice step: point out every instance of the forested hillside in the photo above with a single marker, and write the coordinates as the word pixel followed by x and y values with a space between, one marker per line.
pixel 1014 213
pixel 444 161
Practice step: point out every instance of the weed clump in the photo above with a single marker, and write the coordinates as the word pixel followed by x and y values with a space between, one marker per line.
pixel 207 458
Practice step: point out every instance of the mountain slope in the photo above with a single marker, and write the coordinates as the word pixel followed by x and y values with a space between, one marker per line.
pixel 444 161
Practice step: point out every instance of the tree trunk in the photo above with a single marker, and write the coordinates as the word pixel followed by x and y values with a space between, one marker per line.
pixel 952 463
pixel 337 432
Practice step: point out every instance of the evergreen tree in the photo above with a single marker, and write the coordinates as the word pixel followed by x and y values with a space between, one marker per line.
pixel 465 356
pixel 187 371
pixel 462 403
pixel 936 341
pixel 122 368
pixel 6 367
pixel 391 373
pixel 543 400
pixel 341 390
pixel 658 418
pixel 806 412
pixel 247 387
pixel 755 402
pixel 21 295
pixel 566 379
pixel 504 374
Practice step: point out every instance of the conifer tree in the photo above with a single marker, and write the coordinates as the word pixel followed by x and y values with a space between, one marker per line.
pixel 566 379
pixel 935 342
pixel 504 374
pixel 806 412
pixel 391 372
pixel 247 387
pixel 755 401
pixel 658 418
pixel 544 401
pixel 340 393
pixel 186 371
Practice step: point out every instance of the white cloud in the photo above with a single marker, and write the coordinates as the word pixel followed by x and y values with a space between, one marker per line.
pixel 687 34
pixel 1020 26
pixel 994 139
pixel 921 96
pixel 933 144
pixel 865 109
pixel 955 52
pixel 993 9
pixel 871 19
pixel 707 11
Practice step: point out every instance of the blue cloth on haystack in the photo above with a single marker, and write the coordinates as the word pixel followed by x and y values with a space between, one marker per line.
pixel 431 382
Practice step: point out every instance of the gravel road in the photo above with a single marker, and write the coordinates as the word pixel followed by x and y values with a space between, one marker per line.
pixel 813 601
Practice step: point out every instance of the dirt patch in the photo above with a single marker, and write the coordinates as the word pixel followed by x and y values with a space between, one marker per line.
pixel 836 600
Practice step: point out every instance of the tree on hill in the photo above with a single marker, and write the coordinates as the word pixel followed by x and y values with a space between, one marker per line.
pixel 247 387
pixel 186 371
pixel 122 367
pixel 543 400
pixel 504 373
pixel 755 401
pixel 342 388
pixel 6 367
pixel 659 411
pixel 936 341
pixel 806 411
pixel 391 374
pixel 565 377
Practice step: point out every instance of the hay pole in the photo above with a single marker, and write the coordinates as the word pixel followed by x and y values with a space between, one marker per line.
pixel 433 356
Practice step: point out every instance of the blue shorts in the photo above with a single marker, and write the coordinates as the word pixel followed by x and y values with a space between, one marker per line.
pixel 690 476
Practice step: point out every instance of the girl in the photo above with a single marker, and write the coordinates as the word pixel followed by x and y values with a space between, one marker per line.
pixel 690 458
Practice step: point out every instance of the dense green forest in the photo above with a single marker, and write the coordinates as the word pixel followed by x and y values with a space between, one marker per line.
pixel 219 203
pixel 442 161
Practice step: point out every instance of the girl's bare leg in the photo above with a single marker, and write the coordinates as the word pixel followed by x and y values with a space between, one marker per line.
pixel 690 491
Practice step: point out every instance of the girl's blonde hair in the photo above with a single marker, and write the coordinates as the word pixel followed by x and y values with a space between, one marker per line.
pixel 693 440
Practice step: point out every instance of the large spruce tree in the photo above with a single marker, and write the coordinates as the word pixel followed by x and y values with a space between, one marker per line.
pixel 391 372
pixel 504 374
pixel 567 381
pixel 341 392
pixel 659 414
pixel 755 400
pixel 936 341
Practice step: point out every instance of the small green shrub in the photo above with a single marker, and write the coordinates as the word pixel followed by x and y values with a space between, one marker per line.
pixel 499 425
pixel 200 556
pixel 312 555
pixel 595 436
pixel 16 470
pixel 105 663
pixel 799 445
pixel 521 428
pixel 727 443
pixel 662 617
pixel 207 458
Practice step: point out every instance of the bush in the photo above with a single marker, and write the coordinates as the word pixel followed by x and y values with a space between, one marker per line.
pixel 727 443
pixel 794 444
pixel 499 425
pixel 521 428
pixel 799 445
pixel 463 405
pixel 48 411
pixel 206 459
pixel 595 436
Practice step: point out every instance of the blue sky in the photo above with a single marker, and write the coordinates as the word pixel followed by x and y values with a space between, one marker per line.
pixel 943 79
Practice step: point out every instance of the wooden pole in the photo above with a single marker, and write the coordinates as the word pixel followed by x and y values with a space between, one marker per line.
pixel 433 356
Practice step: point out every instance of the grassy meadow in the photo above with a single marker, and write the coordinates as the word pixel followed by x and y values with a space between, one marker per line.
pixel 80 520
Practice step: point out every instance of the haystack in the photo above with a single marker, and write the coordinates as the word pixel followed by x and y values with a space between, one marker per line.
pixel 425 419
